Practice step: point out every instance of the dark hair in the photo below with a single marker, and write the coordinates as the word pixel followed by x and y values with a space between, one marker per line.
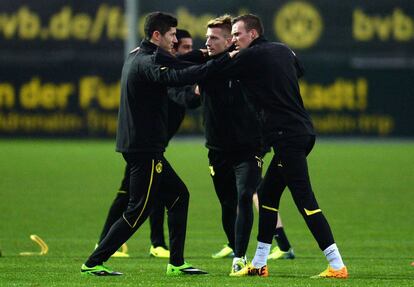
pixel 181 33
pixel 250 21
pixel 158 21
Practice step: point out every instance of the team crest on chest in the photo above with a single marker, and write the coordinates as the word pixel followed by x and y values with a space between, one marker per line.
pixel 158 167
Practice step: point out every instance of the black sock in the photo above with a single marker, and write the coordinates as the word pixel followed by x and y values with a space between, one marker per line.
pixel 281 239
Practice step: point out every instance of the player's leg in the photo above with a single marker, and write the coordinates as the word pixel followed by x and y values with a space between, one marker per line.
pixel 295 171
pixel 248 174
pixel 269 193
pixel 156 220
pixel 175 194
pixel 283 250
pixel 145 175
pixel 118 206
pixel 224 182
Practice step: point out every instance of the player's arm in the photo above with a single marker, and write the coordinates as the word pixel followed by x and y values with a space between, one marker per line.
pixel 185 96
pixel 173 77
pixel 195 56
pixel 161 57
pixel 240 64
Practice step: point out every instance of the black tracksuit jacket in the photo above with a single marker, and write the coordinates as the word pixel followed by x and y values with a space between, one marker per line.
pixel 230 121
pixel 143 110
pixel 231 124
pixel 268 74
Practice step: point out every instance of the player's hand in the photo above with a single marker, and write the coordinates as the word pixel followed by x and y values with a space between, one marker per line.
pixel 233 54
pixel 205 52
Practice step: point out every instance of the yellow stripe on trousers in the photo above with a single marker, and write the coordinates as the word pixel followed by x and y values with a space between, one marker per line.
pixel 146 199
pixel 311 212
pixel 148 193
pixel 269 208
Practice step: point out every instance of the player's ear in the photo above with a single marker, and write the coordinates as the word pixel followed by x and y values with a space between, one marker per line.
pixel 229 41
pixel 253 33
pixel 156 35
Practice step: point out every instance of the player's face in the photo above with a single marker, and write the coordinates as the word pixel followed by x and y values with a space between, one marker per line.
pixel 185 46
pixel 241 37
pixel 217 41
pixel 167 40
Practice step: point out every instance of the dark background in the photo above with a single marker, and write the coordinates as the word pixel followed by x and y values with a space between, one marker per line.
pixel 64 58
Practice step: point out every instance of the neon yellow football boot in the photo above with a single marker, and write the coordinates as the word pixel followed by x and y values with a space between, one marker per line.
pixel 159 252
pixel 226 251
pixel 276 253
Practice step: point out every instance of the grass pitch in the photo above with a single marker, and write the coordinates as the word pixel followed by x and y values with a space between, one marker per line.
pixel 61 191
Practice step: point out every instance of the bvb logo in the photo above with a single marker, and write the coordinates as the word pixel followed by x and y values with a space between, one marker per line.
pixel 298 24
pixel 158 167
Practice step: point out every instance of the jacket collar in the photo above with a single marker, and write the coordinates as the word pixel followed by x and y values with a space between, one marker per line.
pixel 147 46
pixel 258 41
pixel 229 49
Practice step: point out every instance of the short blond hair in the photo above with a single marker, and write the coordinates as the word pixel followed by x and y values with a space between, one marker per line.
pixel 222 22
